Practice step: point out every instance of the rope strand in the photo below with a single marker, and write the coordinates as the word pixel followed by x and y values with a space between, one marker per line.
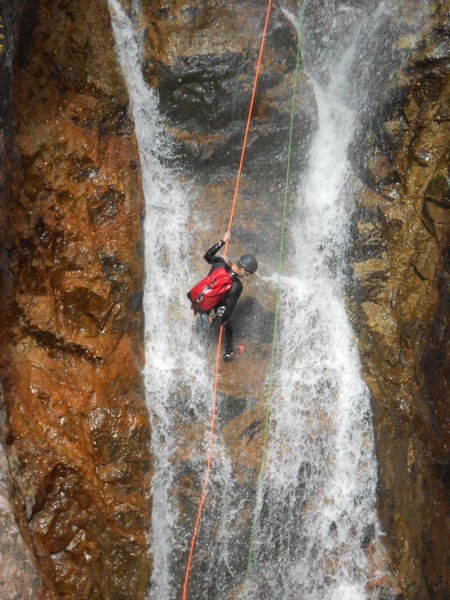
pixel 248 123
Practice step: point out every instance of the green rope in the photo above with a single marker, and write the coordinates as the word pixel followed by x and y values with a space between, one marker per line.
pixel 272 358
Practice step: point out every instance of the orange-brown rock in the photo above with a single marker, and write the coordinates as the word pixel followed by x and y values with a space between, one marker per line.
pixel 401 266
pixel 72 323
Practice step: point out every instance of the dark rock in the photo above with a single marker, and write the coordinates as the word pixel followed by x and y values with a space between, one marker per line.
pixel 401 228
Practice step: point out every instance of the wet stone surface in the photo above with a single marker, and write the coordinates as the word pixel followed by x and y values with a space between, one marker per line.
pixel 71 316
pixel 400 268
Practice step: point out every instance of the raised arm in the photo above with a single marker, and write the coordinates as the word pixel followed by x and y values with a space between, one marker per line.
pixel 209 256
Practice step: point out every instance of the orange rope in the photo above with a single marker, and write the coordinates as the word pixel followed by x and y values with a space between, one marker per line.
pixel 208 464
pixel 248 123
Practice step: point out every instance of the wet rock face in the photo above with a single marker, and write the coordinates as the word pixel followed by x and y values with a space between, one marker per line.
pixel 71 331
pixel 76 430
pixel 400 266
pixel 202 60
pixel 19 576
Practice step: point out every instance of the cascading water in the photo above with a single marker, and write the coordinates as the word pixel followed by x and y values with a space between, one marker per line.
pixel 318 493
pixel 316 509
pixel 166 250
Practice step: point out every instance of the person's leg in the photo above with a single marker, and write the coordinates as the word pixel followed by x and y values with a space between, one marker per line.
pixel 228 337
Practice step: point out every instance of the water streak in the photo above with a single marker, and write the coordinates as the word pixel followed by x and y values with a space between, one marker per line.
pixel 174 387
pixel 317 507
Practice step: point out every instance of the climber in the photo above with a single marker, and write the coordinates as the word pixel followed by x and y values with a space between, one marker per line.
pixel 217 295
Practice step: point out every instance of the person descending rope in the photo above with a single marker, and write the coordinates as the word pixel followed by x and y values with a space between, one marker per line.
pixel 217 294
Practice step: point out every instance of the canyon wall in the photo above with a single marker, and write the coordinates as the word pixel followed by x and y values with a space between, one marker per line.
pixel 76 428
pixel 19 574
pixel 400 304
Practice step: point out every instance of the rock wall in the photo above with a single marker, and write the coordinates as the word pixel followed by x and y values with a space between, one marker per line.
pixel 400 266
pixel 72 333
pixel 202 58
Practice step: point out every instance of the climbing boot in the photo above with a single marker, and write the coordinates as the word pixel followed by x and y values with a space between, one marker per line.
pixel 228 356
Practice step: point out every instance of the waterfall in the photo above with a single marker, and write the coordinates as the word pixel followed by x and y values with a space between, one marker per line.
pixel 170 389
pixel 316 511
pixel 317 506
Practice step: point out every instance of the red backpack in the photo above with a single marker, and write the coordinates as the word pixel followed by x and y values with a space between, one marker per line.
pixel 210 290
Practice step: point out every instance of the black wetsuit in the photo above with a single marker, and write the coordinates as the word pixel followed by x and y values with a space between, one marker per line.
pixel 231 297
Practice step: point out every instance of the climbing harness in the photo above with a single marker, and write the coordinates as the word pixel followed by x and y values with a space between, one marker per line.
pixel 277 302
pixel 208 463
